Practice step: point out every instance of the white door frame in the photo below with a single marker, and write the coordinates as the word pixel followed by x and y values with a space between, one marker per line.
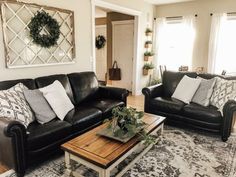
pixel 137 38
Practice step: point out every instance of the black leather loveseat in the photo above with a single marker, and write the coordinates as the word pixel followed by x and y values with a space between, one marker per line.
pixel 20 147
pixel 158 101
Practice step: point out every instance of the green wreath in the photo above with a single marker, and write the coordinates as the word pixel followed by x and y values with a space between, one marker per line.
pixel 100 41
pixel 40 21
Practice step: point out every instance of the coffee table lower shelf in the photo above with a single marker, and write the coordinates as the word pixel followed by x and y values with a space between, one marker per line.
pixel 106 172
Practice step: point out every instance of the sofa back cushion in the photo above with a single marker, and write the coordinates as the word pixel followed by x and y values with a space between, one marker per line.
pixel 84 85
pixel 29 83
pixel 210 76
pixel 47 80
pixel 171 80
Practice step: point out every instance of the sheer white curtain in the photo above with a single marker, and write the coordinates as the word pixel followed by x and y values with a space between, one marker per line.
pixel 218 21
pixel 158 25
pixel 175 42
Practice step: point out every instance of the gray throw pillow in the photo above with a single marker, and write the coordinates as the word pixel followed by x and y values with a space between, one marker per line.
pixel 204 92
pixel 43 111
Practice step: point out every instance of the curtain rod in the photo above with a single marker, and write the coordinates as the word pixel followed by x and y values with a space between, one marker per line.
pixel 196 15
pixel 229 13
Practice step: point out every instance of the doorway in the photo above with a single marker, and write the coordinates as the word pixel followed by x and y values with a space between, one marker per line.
pixel 124 45
pixel 122 51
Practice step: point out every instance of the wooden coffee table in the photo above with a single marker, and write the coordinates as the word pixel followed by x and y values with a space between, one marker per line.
pixel 102 154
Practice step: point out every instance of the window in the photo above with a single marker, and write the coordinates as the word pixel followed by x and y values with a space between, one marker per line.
pixel 224 55
pixel 175 41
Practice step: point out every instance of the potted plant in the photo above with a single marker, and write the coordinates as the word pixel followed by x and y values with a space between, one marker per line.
pixel 148 68
pixel 148 44
pixel 153 81
pixel 148 56
pixel 148 32
pixel 127 123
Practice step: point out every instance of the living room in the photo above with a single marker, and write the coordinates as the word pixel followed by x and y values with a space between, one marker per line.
pixel 62 115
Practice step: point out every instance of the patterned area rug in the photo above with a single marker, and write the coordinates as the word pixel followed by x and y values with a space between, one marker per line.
pixel 178 153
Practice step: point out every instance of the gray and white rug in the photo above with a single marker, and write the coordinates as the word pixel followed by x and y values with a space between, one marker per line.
pixel 178 153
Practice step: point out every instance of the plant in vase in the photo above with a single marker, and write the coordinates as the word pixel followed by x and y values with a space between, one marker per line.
pixel 148 56
pixel 127 122
pixel 148 32
pixel 147 68
pixel 148 44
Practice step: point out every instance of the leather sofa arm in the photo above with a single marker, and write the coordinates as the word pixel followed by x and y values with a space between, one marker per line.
pixel 114 93
pixel 228 119
pixel 13 145
pixel 153 91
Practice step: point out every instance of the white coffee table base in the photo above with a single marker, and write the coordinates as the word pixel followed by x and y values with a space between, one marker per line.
pixel 70 171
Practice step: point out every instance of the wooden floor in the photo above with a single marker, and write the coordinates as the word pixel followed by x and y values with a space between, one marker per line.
pixel 3 169
pixel 133 101
pixel 136 102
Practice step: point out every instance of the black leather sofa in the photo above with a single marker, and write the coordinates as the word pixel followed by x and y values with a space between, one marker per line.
pixel 20 147
pixel 158 101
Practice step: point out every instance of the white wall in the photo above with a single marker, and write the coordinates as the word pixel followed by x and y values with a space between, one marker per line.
pixel 82 9
pixel 203 8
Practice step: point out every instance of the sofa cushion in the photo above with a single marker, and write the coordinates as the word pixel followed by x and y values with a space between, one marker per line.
pixel 223 92
pixel 42 110
pixel 82 118
pixel 56 96
pixel 204 92
pixel 29 83
pixel 41 136
pixel 106 106
pixel 168 105
pixel 206 114
pixel 14 106
pixel 171 80
pixel 186 89
pixel 84 85
pixel 47 80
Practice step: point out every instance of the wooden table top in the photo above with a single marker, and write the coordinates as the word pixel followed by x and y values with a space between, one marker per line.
pixel 103 151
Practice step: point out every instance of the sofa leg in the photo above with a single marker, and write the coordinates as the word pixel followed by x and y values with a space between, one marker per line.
pixel 224 139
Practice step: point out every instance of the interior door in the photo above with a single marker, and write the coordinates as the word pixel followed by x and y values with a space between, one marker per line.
pixel 123 46
pixel 101 55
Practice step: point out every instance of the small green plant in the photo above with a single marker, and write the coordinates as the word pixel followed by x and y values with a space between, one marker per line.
pixel 128 122
pixel 148 30
pixel 149 54
pixel 148 42
pixel 154 81
pixel 148 66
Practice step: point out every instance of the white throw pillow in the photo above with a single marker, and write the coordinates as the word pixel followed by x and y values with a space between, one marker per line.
pixel 13 105
pixel 56 96
pixel 186 89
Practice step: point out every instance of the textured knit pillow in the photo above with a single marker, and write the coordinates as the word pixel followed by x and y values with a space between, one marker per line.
pixel 186 89
pixel 57 98
pixel 13 105
pixel 204 92
pixel 223 91
pixel 42 110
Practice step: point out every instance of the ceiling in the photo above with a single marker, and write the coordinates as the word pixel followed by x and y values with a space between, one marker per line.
pixel 159 2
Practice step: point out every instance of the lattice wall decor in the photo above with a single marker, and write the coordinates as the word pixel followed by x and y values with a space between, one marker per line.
pixel 19 48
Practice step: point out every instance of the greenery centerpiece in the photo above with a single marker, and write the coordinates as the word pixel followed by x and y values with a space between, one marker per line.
pixel 148 56
pixel 148 68
pixel 148 44
pixel 127 123
pixel 148 32
pixel 44 29
pixel 100 42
